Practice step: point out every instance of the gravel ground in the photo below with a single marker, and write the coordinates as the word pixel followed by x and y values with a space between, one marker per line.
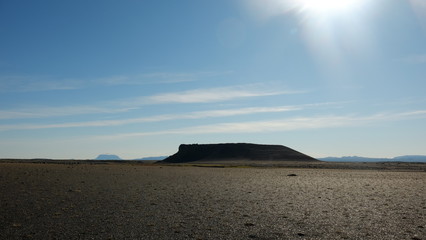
pixel 131 201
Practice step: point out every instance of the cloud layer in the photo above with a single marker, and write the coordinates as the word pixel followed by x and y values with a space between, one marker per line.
pixel 205 95
pixel 157 118
pixel 279 125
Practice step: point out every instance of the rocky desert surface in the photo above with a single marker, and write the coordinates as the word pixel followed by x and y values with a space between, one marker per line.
pixel 148 201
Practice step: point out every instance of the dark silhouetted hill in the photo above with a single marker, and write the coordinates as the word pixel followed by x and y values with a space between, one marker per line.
pixel 235 151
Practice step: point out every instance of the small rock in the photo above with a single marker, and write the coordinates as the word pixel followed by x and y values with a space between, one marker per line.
pixel 74 190
pixel 16 225
pixel 292 175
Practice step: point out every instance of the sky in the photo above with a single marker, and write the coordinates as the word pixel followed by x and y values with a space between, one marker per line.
pixel 138 78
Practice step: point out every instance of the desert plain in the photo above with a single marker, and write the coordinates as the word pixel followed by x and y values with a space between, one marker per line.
pixel 108 200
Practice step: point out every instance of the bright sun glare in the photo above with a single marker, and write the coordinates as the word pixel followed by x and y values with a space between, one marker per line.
pixel 333 30
pixel 328 6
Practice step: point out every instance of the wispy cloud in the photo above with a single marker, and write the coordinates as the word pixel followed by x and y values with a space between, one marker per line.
pixel 205 95
pixel 46 112
pixel 36 83
pixel 49 83
pixel 160 77
pixel 214 95
pixel 157 118
pixel 291 124
pixel 410 114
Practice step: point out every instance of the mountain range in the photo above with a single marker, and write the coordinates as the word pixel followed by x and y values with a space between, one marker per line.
pixel 405 158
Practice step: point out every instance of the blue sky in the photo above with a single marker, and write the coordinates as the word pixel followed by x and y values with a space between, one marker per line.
pixel 138 78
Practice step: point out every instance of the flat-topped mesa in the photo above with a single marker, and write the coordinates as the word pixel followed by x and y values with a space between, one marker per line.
pixel 235 151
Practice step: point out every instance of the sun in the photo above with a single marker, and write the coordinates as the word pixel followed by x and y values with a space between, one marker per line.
pixel 328 7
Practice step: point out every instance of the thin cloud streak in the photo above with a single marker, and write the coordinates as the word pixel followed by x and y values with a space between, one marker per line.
pixel 46 112
pixel 159 78
pixel 212 95
pixel 49 83
pixel 279 125
pixel 158 118
pixel 36 83
pixel 191 96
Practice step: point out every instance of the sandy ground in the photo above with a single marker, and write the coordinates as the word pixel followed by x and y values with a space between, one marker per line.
pixel 134 201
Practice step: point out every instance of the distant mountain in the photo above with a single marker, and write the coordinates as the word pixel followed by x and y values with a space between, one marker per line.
pixel 158 158
pixel 107 157
pixel 411 158
pixel 354 159
pixel 235 151
pixel 407 158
